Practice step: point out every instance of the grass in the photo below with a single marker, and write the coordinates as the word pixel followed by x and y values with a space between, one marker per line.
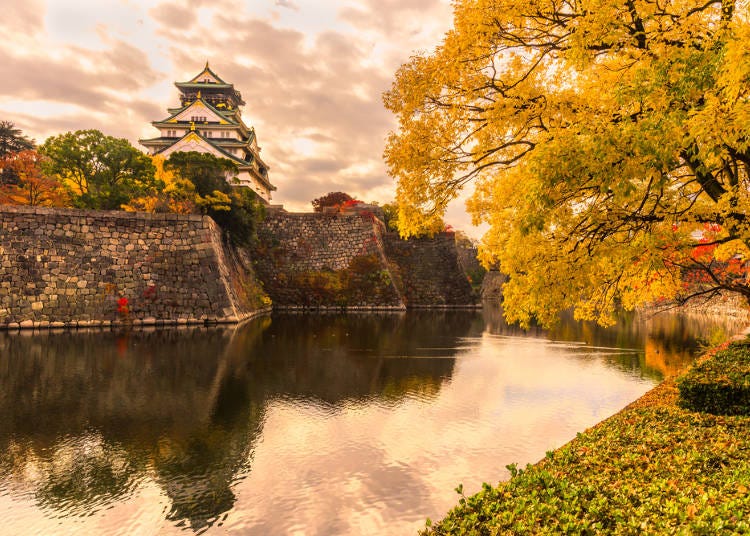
pixel 654 468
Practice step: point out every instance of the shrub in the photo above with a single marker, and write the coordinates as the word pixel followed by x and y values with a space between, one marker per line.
pixel 719 385
pixel 319 287
pixel 332 199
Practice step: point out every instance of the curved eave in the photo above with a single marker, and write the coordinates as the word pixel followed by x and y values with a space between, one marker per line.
pixel 156 141
pixel 186 124
pixel 259 177
pixel 207 105
pixel 226 112
pixel 240 162
pixel 208 85
pixel 229 142
pixel 201 85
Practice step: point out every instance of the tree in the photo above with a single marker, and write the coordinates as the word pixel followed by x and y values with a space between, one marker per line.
pixel 207 172
pixel 236 209
pixel 31 186
pixel 12 140
pixel 178 195
pixel 100 172
pixel 331 199
pixel 390 216
pixel 600 138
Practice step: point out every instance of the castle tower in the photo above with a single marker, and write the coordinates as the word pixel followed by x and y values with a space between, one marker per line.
pixel 209 120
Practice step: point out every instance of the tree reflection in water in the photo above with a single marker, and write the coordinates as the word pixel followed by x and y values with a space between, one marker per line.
pixel 666 343
pixel 86 417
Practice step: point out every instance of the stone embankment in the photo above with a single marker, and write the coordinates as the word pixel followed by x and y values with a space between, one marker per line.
pixel 306 259
pixel 349 260
pixel 429 270
pixel 492 286
pixel 65 267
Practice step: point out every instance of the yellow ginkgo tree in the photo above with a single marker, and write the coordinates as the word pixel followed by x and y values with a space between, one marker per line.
pixel 607 142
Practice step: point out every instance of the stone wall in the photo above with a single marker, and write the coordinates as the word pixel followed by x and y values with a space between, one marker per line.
pixel 316 259
pixel 321 259
pixel 65 267
pixel 429 271
pixel 69 267
pixel 492 285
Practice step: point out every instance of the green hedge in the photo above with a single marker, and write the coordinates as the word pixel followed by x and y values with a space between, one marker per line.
pixel 658 470
pixel 719 385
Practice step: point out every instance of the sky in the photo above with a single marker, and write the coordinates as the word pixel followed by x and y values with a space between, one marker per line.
pixel 312 73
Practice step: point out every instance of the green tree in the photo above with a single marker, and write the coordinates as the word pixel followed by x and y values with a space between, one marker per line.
pixel 100 172
pixel 390 216
pixel 207 172
pixel 12 140
pixel 235 208
pixel 607 142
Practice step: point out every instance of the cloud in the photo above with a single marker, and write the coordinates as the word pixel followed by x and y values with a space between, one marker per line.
pixel 22 18
pixel 174 15
pixel 392 17
pixel 287 4
pixel 312 76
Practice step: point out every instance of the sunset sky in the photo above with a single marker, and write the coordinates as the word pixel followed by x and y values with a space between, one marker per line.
pixel 311 71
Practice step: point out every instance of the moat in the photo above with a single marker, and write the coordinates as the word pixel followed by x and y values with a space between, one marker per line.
pixel 306 424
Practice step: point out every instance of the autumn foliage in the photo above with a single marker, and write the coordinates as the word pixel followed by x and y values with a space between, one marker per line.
pixel 600 139
pixel 27 184
pixel 331 199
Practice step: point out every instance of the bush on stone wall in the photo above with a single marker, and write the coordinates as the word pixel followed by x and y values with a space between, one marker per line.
pixel 720 384
pixel 364 281
pixel 323 287
pixel 331 199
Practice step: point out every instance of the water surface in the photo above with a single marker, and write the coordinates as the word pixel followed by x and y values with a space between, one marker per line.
pixel 302 424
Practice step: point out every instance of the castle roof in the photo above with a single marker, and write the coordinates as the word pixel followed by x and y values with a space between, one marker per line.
pixel 223 117
pixel 211 106
pixel 209 80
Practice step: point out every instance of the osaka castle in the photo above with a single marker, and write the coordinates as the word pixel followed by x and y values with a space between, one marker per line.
pixel 209 120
